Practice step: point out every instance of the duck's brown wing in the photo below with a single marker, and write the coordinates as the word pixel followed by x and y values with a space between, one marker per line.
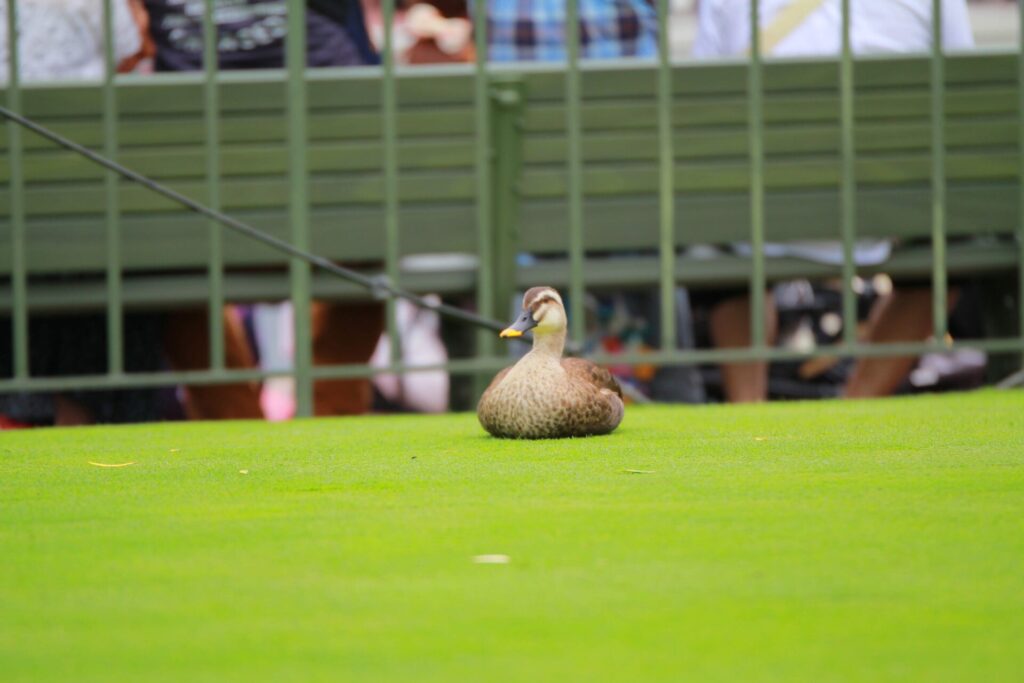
pixel 594 374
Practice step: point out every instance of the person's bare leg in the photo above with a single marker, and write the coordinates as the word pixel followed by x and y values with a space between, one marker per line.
pixel 70 413
pixel 344 333
pixel 903 316
pixel 186 342
pixel 730 328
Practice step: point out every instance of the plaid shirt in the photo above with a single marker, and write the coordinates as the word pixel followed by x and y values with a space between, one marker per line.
pixel 534 30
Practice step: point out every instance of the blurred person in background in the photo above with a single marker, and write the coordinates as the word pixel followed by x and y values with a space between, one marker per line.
pixel 62 40
pixel 791 28
pixel 433 31
pixel 534 30
pixel 425 31
pixel 251 34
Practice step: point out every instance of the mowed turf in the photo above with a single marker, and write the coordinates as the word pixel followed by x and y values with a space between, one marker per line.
pixel 826 541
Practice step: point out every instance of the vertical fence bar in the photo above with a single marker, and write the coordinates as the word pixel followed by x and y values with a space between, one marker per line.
pixel 19 269
pixel 485 237
pixel 389 133
pixel 211 117
pixel 1020 175
pixel 848 190
pixel 298 171
pixel 573 128
pixel 938 92
pixel 115 355
pixel 666 178
pixel 756 132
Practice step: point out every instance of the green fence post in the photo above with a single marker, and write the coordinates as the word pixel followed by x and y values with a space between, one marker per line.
pixel 485 303
pixel 1020 178
pixel 507 102
pixel 666 177
pixel 573 126
pixel 389 133
pixel 211 116
pixel 19 268
pixel 298 172
pixel 115 355
pixel 504 147
pixel 756 132
pixel 938 93
pixel 848 188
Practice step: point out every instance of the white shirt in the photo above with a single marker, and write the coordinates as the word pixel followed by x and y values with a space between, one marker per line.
pixel 876 26
pixel 63 39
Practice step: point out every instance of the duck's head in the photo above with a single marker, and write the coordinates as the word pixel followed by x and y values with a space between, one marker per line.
pixel 542 312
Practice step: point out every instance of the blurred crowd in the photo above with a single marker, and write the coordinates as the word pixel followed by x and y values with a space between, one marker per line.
pixel 64 40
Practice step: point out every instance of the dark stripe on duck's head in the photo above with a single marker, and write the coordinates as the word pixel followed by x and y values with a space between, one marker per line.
pixel 538 295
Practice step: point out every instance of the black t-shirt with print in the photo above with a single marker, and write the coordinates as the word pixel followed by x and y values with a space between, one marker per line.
pixel 250 35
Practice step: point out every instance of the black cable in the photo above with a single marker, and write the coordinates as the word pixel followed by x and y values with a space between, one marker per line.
pixel 379 285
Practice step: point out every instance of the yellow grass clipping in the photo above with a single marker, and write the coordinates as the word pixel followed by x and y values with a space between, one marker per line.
pixel 107 464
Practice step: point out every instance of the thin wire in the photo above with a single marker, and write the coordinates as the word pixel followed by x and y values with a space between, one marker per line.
pixel 379 285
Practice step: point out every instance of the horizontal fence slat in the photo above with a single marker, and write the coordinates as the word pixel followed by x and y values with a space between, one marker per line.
pixel 250 193
pixel 448 153
pixel 171 131
pixel 790 109
pixel 181 161
pixel 795 174
pixel 630 222
pixel 896 109
pixel 359 87
pixel 176 241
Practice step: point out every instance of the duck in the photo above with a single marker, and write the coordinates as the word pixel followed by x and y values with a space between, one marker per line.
pixel 546 396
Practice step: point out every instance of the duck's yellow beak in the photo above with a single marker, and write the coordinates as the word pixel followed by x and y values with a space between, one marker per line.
pixel 523 323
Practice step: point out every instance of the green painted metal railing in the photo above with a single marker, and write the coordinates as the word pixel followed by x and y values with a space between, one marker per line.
pixel 1020 175
pixel 298 170
pixel 755 96
pixel 115 311
pixel 19 271
pixel 848 190
pixel 666 186
pixel 211 112
pixel 490 239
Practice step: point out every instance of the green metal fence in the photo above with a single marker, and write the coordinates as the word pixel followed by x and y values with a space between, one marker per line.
pixel 489 286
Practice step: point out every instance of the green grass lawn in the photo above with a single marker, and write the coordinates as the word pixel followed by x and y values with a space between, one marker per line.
pixel 873 541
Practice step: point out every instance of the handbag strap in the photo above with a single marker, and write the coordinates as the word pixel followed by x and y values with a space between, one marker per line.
pixel 787 20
